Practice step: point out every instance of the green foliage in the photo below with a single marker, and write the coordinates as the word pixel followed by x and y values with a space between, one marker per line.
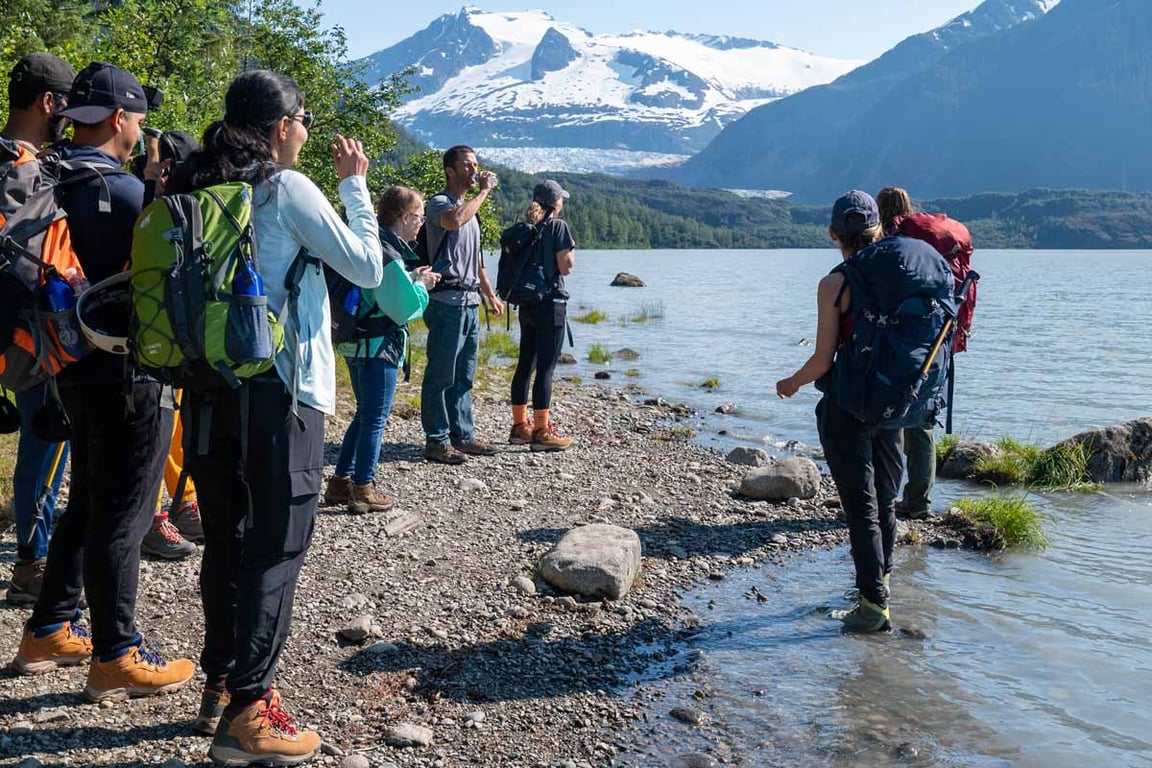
pixel 598 354
pixel 500 343
pixel 1064 466
pixel 1012 467
pixel 712 382
pixel 591 317
pixel 681 433
pixel 944 444
pixel 633 373
pixel 1008 521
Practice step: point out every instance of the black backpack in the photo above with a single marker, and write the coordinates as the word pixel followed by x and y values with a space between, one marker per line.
pixel 891 372
pixel 348 322
pixel 520 277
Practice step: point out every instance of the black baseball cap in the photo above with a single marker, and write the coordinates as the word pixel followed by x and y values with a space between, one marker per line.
pixel 854 202
pixel 99 90
pixel 548 193
pixel 177 146
pixel 39 73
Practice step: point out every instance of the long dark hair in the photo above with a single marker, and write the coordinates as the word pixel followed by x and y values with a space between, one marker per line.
pixel 237 148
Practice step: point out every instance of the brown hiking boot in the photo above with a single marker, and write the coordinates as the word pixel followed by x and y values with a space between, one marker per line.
pixel 338 491
pixel 27 578
pixel 475 448
pixel 546 439
pixel 264 733
pixel 365 499
pixel 212 704
pixel 442 453
pixel 139 672
pixel 521 433
pixel 68 646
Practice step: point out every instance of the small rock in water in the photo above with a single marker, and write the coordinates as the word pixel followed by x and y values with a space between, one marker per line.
pixel 779 538
pixel 566 359
pixel 688 715
pixel 908 751
pixel 726 408
pixel 695 760
pixel 601 375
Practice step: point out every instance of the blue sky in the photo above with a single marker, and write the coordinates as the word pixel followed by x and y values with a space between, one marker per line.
pixel 829 27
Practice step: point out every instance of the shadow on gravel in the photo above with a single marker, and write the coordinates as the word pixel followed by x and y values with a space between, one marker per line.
pixel 527 667
pixel 389 452
pixel 679 537
pixel 67 737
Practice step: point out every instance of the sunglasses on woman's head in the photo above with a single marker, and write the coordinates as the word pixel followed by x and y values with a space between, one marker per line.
pixel 304 119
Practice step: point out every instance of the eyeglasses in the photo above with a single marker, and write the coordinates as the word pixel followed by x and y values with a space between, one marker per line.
pixel 60 100
pixel 304 119
pixel 418 216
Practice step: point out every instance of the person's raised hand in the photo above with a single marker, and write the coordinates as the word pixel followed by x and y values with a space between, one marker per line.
pixel 348 157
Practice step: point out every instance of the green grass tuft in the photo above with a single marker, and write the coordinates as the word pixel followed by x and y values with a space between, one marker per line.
pixel 648 311
pixel 591 317
pixel 1008 521
pixel 944 444
pixel 633 373
pixel 712 382
pixel 598 354
pixel 1064 466
pixel 500 343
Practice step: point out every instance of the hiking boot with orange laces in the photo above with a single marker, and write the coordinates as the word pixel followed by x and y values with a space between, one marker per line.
pixel 521 433
pixel 186 518
pixel 140 671
pixel 212 704
pixel 546 439
pixel 365 499
pixel 338 491
pixel 66 646
pixel 164 541
pixel 265 733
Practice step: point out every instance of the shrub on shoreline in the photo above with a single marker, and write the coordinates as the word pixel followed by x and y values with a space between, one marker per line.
pixel 1062 467
pixel 598 354
pixel 998 522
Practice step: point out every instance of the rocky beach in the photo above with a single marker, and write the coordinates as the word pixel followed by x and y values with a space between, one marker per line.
pixel 427 636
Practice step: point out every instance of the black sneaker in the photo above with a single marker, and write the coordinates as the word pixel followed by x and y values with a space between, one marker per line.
pixel 442 453
pixel 903 512
pixel 163 540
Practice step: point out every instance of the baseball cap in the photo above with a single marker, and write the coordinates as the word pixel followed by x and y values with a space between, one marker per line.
pixel 39 73
pixel 548 193
pixel 99 90
pixel 177 146
pixel 854 202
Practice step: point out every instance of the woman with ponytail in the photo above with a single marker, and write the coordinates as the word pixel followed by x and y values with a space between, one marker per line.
pixel 543 323
pixel 257 452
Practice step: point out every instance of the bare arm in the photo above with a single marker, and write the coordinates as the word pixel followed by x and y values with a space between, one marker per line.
pixel 463 213
pixel 565 260
pixel 827 336
pixel 489 294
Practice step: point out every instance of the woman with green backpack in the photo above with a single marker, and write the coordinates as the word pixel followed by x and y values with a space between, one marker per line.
pixel 256 451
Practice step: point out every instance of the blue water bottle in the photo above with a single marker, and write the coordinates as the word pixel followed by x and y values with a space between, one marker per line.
pixel 58 294
pixel 352 301
pixel 246 281
pixel 60 297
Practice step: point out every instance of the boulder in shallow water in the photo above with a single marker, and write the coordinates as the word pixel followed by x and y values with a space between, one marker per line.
pixel 626 280
pixel 597 560
pixel 566 359
pixel 1121 453
pixel 749 457
pixel 795 477
pixel 959 462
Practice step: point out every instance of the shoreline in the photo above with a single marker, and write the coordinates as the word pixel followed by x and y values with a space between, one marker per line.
pixel 500 677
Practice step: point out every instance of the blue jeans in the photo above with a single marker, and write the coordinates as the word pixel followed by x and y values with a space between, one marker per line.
pixel 446 396
pixel 374 384
pixel 34 461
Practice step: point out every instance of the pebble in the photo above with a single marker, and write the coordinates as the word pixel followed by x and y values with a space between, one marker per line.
pixel 355 761
pixel 688 715
pixel 355 601
pixel 173 763
pixel 357 630
pixel 408 735
pixel 524 585
pixel 695 760
pixel 471 484
pixel 779 538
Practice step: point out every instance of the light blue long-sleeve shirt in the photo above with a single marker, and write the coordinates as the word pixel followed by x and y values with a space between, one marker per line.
pixel 291 212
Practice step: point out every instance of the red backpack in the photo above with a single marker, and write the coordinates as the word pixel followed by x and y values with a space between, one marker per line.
pixel 951 240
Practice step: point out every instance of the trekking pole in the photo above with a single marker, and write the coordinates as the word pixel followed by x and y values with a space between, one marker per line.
pixel 42 497
pixel 914 390
pixel 961 296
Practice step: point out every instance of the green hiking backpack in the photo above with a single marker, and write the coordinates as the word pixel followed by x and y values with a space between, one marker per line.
pixel 200 314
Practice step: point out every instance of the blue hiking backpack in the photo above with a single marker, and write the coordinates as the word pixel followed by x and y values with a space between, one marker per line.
pixel 892 371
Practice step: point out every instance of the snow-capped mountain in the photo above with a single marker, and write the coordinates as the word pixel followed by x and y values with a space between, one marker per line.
pixel 524 79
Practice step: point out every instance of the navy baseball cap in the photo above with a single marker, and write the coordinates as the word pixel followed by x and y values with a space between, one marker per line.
pixel 854 202
pixel 99 90
pixel 39 73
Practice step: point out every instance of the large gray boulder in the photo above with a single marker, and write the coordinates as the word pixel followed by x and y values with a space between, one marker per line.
pixel 959 462
pixel 795 477
pixel 1121 453
pixel 749 457
pixel 595 560
pixel 627 281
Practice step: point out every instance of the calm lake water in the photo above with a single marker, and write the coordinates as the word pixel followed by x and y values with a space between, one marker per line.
pixel 1034 659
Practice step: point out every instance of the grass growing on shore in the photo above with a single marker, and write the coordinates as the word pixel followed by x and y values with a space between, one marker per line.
pixel 1063 467
pixel 712 382
pixel 591 317
pixel 598 354
pixel 944 444
pixel 1002 521
pixel 500 343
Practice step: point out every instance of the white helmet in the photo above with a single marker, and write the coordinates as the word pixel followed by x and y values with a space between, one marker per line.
pixel 105 313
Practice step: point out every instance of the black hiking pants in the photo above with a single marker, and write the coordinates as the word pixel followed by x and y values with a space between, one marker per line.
pixel 542 328
pixel 867 466
pixel 258 506
pixel 117 457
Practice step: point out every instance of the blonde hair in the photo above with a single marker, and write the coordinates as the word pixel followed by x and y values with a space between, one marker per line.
pixel 535 213
pixel 894 204
pixel 395 202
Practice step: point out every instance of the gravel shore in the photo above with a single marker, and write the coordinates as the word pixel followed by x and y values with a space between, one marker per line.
pixel 462 643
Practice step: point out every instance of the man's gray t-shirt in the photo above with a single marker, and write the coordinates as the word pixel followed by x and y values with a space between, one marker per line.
pixel 461 259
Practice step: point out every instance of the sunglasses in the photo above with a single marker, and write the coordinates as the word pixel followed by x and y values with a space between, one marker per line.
pixel 304 119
